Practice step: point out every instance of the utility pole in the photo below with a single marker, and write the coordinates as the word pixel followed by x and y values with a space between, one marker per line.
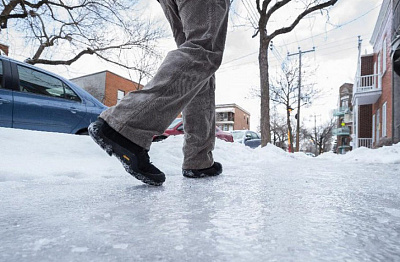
pixel 299 96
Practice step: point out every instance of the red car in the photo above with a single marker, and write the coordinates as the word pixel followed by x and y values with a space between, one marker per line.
pixel 176 128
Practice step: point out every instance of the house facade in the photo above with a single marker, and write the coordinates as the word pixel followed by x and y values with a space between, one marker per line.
pixel 344 121
pixel 373 88
pixel 395 59
pixel 232 117
pixel 107 86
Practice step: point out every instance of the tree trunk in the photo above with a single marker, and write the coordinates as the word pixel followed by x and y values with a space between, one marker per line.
pixel 264 87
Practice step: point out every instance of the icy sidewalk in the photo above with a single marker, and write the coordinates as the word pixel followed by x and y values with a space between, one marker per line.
pixel 63 199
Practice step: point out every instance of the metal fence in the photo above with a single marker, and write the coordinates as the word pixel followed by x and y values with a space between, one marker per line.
pixel 365 142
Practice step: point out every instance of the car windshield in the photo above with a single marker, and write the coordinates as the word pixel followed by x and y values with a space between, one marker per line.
pixel 237 135
pixel 174 123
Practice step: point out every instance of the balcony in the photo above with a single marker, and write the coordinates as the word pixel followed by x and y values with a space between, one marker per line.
pixel 341 111
pixel 348 118
pixel 368 89
pixel 343 131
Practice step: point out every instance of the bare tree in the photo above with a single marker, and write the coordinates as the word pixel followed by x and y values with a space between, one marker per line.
pixel 284 91
pixel 279 130
pixel 104 28
pixel 266 9
pixel 322 136
pixel 148 66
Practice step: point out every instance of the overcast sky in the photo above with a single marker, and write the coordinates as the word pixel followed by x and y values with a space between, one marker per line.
pixel 335 57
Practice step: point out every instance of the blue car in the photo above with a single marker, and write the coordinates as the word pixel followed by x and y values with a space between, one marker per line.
pixel 246 137
pixel 35 99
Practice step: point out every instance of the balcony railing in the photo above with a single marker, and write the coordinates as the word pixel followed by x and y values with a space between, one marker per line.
pixel 341 111
pixel 365 142
pixel 368 89
pixel 368 83
pixel 343 131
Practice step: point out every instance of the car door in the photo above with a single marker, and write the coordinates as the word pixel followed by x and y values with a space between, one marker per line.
pixel 252 140
pixel 44 102
pixel 6 98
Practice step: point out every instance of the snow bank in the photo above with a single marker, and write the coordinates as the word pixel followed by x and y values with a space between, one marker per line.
pixel 27 155
pixel 382 155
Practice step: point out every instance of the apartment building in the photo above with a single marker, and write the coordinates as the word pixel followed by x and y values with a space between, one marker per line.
pixel 107 86
pixel 232 117
pixel 344 119
pixel 372 92
pixel 395 59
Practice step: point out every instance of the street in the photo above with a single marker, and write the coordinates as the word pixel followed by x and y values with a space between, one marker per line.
pixel 267 205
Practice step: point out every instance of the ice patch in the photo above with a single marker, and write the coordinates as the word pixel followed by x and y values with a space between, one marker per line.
pixel 42 243
pixel 393 211
pixel 120 246
pixel 79 249
pixel 180 247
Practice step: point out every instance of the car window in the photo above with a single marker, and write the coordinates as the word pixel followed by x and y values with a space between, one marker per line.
pixel 1 74
pixel 237 135
pixel 70 94
pixel 254 135
pixel 174 123
pixel 36 82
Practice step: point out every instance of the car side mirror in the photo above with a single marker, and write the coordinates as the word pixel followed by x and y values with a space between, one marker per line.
pixel 248 137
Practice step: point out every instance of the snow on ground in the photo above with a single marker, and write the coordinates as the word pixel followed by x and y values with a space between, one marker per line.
pixel 63 199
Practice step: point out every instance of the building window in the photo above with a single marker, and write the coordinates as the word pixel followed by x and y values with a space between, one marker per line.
pixel 120 95
pixel 377 125
pixel 373 127
pixel 384 120
pixel 344 101
pixel 379 63
pixel 384 56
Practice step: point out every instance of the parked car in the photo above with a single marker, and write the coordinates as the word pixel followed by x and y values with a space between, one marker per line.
pixel 246 137
pixel 176 128
pixel 33 98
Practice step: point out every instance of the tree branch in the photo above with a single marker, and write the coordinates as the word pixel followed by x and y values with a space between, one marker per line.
pixel 285 30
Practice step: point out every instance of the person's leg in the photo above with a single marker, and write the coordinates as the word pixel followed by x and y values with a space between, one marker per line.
pixel 199 125
pixel 181 76
pixel 185 73
pixel 198 115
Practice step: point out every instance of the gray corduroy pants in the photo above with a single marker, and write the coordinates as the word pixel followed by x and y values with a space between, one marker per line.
pixel 185 82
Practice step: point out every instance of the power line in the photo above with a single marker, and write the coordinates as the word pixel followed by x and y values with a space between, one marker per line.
pixel 252 18
pixel 239 58
pixel 339 26
pixel 307 38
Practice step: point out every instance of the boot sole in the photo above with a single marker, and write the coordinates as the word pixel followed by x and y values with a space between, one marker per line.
pixel 108 148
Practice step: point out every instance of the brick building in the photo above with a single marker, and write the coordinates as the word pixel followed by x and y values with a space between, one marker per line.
pixel 344 119
pixel 395 59
pixel 232 117
pixel 3 50
pixel 106 86
pixel 372 94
